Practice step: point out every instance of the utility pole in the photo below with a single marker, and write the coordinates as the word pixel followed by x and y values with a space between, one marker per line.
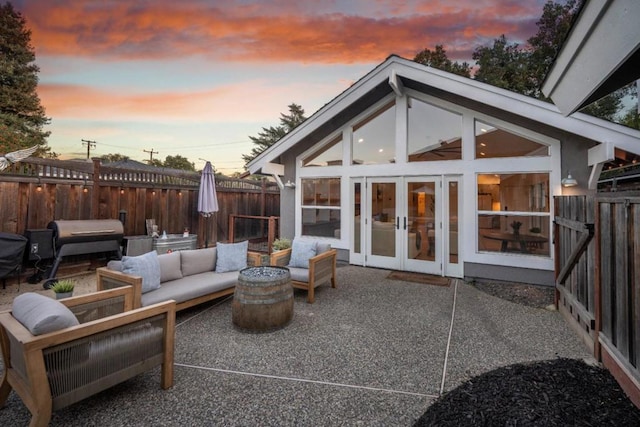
pixel 151 153
pixel 90 145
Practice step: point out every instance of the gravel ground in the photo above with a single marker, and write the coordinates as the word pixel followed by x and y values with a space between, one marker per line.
pixel 529 295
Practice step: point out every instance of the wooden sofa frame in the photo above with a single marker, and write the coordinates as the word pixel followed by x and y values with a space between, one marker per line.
pixel 44 388
pixel 322 268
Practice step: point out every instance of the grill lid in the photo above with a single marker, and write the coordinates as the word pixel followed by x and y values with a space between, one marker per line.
pixel 90 230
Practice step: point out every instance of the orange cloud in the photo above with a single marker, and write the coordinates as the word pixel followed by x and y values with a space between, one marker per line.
pixel 272 32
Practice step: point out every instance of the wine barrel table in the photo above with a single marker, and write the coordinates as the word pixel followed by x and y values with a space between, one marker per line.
pixel 263 299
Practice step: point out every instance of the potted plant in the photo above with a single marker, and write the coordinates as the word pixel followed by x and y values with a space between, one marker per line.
pixel 63 288
pixel 534 230
pixel 281 244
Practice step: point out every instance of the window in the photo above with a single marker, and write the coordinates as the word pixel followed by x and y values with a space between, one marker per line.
pixel 374 138
pixel 320 207
pixel 329 154
pixel 434 134
pixel 492 142
pixel 513 213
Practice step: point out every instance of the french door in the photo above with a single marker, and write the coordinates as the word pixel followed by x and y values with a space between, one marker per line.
pixel 407 223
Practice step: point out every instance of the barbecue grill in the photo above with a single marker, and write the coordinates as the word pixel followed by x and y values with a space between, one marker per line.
pixel 11 250
pixel 80 237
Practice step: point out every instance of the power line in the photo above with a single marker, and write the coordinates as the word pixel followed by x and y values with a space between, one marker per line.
pixel 90 145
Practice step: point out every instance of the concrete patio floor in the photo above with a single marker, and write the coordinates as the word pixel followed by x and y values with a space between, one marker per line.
pixel 374 352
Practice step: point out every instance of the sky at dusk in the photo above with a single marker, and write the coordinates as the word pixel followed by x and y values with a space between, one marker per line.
pixel 197 77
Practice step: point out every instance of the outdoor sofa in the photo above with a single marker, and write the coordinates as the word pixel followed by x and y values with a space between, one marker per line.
pixel 189 277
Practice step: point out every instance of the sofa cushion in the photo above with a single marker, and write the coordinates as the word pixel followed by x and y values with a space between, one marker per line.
pixel 197 261
pixel 190 287
pixel 169 266
pixel 145 266
pixel 41 314
pixel 232 256
pixel 115 265
pixel 301 251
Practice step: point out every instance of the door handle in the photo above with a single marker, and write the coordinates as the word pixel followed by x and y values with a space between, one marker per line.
pixel 397 223
pixel 405 222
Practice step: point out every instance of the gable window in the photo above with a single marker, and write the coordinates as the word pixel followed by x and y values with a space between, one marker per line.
pixel 513 213
pixel 493 142
pixel 329 154
pixel 374 138
pixel 434 133
pixel 320 207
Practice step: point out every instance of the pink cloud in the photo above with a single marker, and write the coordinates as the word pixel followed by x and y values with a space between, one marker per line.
pixel 273 32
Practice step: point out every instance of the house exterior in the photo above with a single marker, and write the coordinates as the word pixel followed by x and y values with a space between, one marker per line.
pixel 413 168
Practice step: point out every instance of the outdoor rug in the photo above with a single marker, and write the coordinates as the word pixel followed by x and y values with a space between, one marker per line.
pixel 427 279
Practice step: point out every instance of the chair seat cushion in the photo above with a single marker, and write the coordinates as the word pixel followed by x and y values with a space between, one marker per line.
pixel 41 314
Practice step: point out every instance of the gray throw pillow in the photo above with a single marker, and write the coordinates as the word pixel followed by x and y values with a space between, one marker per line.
pixel 41 314
pixel 169 267
pixel 145 266
pixel 301 251
pixel 232 256
pixel 198 261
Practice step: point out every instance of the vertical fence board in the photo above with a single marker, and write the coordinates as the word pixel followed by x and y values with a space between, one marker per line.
pixel 606 271
pixel 635 288
pixel 621 315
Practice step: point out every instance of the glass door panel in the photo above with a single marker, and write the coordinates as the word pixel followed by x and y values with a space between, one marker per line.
pixel 422 237
pixel 452 225
pixel 382 224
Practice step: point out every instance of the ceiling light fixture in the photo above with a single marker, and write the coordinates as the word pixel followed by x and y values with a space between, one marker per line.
pixel 569 181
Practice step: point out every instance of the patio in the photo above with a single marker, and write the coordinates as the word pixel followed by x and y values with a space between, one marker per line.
pixel 373 351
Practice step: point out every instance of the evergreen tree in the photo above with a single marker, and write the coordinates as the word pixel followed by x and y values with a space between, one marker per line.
pixel 22 117
pixel 271 135
pixel 438 59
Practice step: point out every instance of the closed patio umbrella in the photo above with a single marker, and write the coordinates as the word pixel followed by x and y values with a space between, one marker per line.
pixel 207 197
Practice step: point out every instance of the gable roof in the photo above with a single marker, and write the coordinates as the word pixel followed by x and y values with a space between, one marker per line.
pixel 396 71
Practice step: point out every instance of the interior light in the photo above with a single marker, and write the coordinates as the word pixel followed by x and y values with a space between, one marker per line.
pixel 361 140
pixel 482 153
pixel 380 150
pixel 482 144
pixel 483 130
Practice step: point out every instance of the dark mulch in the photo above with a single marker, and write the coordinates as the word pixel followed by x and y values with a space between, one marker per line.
pixel 520 293
pixel 562 392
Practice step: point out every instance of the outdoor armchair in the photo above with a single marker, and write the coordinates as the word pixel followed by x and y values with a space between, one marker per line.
pixel 321 267
pixel 110 343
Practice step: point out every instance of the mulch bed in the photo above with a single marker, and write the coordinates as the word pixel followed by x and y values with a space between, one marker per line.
pixel 557 392
pixel 427 279
pixel 520 293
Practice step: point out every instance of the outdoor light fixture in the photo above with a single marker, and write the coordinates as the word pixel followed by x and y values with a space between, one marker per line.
pixel 569 181
pixel 85 189
pixel 39 186
pixel 121 190
pixel 290 184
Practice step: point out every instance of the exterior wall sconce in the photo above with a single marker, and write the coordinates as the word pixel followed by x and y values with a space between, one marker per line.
pixel 179 193
pixel 39 186
pixel 121 190
pixel 569 181
pixel 290 184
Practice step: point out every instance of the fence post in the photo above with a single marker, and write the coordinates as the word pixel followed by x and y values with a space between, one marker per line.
pixel 95 195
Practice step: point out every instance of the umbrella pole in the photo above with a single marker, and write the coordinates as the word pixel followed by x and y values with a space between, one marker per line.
pixel 206 233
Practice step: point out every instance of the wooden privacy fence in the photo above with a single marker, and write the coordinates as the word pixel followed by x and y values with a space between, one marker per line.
pixel 598 282
pixel 37 191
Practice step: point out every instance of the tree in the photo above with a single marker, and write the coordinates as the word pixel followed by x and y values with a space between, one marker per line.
pixel 179 162
pixel 117 157
pixel 503 65
pixel 22 117
pixel 438 59
pixel 271 135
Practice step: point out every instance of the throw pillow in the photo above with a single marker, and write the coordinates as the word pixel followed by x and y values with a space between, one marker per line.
pixel 145 266
pixel 169 267
pixel 41 315
pixel 301 251
pixel 232 256
pixel 197 261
